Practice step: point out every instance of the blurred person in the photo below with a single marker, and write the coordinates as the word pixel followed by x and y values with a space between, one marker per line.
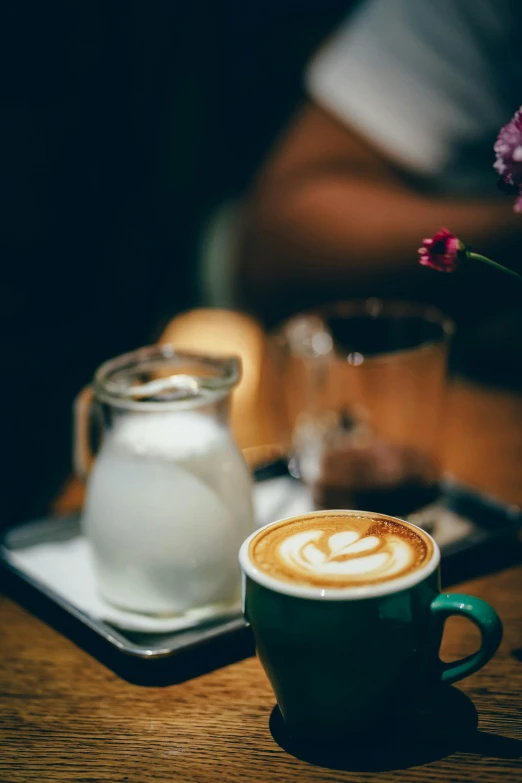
pixel 394 141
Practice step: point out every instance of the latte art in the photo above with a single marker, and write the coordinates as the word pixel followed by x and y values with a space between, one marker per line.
pixel 346 554
pixel 340 550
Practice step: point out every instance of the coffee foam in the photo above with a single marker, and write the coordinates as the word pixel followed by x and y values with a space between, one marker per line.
pixel 339 550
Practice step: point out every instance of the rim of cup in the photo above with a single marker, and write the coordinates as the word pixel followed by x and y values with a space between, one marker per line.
pixel 394 585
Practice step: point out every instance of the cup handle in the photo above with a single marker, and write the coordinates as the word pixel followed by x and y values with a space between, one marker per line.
pixel 82 454
pixel 487 621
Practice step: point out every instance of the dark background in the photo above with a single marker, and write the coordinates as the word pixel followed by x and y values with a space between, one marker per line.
pixel 123 124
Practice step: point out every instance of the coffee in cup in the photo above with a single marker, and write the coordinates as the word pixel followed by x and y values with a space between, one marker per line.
pixel 347 617
pixel 333 550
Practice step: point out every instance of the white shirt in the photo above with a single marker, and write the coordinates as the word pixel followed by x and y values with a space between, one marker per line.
pixel 429 82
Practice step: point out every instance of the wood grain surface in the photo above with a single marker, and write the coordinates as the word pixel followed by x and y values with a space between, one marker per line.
pixel 64 716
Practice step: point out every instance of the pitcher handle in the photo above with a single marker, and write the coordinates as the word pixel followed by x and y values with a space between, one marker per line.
pixel 82 453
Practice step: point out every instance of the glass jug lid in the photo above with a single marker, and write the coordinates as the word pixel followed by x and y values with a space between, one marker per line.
pixel 158 377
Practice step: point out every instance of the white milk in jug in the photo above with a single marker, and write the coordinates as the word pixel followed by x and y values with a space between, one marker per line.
pixel 169 502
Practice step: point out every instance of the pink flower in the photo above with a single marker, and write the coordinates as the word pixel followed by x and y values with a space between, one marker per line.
pixel 442 252
pixel 508 149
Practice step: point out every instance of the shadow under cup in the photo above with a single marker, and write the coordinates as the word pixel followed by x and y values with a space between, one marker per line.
pixel 364 388
pixel 342 662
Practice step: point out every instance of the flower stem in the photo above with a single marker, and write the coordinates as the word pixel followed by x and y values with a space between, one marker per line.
pixel 485 260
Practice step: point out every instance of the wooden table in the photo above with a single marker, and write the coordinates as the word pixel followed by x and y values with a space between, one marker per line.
pixel 65 717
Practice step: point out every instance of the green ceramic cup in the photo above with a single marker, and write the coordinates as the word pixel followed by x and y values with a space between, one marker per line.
pixel 342 661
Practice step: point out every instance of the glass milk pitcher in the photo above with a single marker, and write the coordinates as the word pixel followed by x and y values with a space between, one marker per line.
pixel 169 496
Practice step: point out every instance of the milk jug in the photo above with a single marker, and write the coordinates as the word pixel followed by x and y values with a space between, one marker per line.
pixel 169 496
